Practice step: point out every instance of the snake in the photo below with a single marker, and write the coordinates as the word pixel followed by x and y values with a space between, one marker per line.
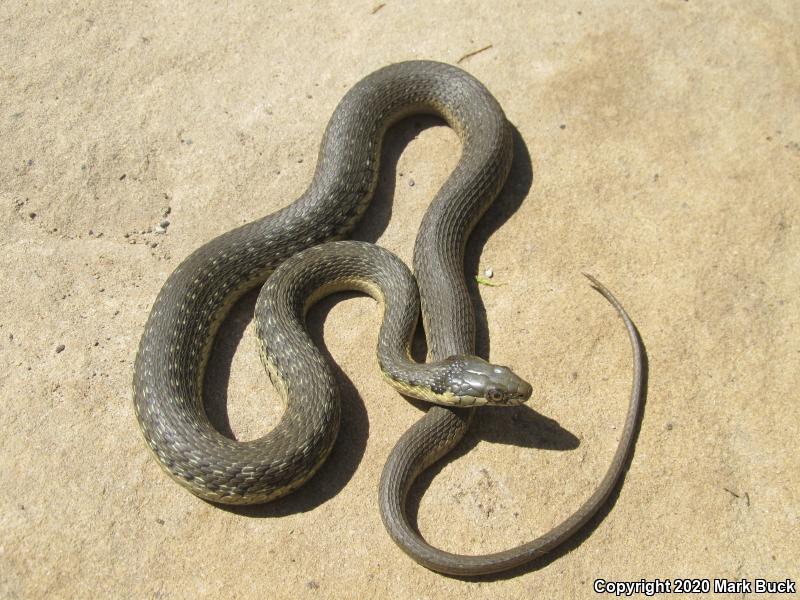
pixel 299 255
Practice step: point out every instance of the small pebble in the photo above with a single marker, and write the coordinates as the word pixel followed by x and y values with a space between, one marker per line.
pixel 160 229
pixel 60 348
pixel 167 210
pixel 669 426
pixel 153 244
pixel 410 183
pixel 160 521
pixel 32 215
pixel 96 343
pixel 164 223
pixel 562 126
pixel 489 273
pixel 127 235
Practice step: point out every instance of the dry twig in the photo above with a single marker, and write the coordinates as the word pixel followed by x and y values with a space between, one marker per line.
pixel 469 54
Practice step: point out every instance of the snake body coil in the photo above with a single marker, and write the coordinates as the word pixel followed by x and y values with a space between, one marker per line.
pixel 178 336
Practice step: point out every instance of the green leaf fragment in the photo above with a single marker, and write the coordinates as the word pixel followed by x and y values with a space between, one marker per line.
pixel 484 281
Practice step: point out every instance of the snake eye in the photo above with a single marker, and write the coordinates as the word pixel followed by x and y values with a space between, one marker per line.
pixel 494 395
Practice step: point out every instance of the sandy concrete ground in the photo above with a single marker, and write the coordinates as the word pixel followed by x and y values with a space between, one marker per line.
pixel 658 148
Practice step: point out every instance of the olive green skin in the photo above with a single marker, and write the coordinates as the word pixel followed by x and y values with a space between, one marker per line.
pixel 177 339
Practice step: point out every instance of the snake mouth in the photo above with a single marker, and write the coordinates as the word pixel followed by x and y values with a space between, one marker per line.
pixel 522 394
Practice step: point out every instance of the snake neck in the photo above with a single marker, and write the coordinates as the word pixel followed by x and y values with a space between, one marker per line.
pixel 426 381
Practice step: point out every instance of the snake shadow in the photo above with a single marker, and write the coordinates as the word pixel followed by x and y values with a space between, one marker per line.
pixel 525 427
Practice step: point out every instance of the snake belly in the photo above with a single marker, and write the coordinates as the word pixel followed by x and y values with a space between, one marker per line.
pixel 178 335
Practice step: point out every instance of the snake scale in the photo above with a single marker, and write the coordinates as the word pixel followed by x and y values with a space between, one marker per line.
pixel 284 250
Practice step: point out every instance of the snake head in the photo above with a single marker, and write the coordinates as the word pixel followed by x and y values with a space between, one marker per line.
pixel 475 382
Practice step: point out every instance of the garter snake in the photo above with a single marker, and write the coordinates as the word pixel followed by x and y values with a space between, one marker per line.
pixel 284 249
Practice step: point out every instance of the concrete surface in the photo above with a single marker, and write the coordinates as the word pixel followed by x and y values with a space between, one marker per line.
pixel 658 148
